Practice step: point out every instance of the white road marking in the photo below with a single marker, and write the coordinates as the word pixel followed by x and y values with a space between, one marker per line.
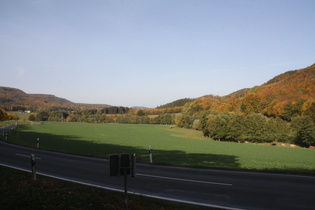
pixel 186 180
pixel 129 192
pixel 26 155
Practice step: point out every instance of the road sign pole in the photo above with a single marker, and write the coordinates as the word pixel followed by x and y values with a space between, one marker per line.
pixel 125 186
pixel 123 165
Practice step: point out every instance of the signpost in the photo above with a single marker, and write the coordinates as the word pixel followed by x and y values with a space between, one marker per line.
pixel 123 164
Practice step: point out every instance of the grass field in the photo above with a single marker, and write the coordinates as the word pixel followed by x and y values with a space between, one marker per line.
pixel 175 146
pixel 20 114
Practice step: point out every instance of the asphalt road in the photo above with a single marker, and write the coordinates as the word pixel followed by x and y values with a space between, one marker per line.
pixel 204 187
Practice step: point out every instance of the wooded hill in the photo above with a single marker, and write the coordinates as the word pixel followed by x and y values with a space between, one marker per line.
pixel 286 95
pixel 12 99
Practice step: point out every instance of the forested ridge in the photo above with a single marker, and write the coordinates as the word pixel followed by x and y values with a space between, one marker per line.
pixel 13 99
pixel 287 95
pixel 280 110
pixel 179 102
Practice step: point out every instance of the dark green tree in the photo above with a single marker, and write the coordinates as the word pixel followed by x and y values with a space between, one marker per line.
pixel 237 129
pixel 255 127
pixel 42 116
pixel 203 125
pixel 218 127
pixel 140 113
pixel 278 130
pixel 305 131
pixel 163 119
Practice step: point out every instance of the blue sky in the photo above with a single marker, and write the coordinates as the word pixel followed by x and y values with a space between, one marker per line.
pixel 148 53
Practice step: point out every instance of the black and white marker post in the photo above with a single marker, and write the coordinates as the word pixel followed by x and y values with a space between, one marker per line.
pixel 33 165
pixel 37 143
pixel 150 154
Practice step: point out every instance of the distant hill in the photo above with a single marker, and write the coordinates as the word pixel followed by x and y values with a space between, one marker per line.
pixel 179 102
pixel 15 99
pixel 139 107
pixel 285 95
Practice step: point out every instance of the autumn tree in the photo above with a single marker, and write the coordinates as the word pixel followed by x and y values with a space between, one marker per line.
pixel 69 119
pixel 293 109
pixel 250 104
pixel 32 117
pixel 197 124
pixel 3 115
pixel 179 118
pixel 308 108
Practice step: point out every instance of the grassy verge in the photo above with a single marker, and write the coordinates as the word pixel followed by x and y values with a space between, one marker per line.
pixel 6 123
pixel 18 191
pixel 175 146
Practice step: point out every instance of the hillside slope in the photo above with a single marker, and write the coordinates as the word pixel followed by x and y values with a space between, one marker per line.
pixel 286 95
pixel 15 99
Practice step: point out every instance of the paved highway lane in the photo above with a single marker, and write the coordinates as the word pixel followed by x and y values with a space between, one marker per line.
pixel 205 187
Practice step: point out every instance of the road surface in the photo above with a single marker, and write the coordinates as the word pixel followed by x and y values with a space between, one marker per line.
pixel 204 187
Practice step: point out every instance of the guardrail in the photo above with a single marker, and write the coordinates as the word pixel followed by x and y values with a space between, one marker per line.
pixel 4 131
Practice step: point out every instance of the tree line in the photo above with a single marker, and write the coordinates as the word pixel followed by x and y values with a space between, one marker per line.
pixel 227 126
pixel 253 127
pixel 105 115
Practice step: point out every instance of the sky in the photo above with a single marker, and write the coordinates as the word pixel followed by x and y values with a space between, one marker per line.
pixel 151 52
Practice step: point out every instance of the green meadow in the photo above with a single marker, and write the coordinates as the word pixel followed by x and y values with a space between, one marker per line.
pixel 175 146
